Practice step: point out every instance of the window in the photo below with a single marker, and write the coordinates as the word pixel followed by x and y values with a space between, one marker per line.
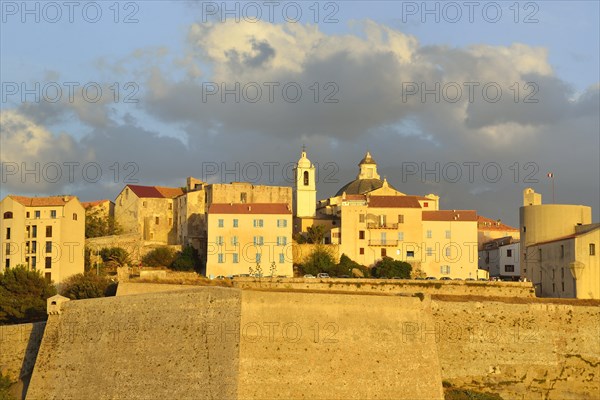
pixel 170 221
pixel 305 178
pixel 444 269
pixel 258 257
pixel 235 222
pixel 425 204
pixel 562 273
pixel 562 251
pixel 509 268
pixel 258 240
pixel 361 218
pixel 8 215
pixel 27 214
pixel 282 223
pixel 170 206
pixel 74 217
pixel 34 262
pixel 37 214
pixel 235 258
pixel 281 258
pixel 220 258
pixel 429 234
pixel 7 263
pixel 258 223
pixel 234 240
pixel 361 235
pixel 400 236
pixel 509 253
pixel 563 286
pixel 448 251
pixel 553 287
pixel 7 233
pixel 48 277
pixel 383 252
pixel 281 240
pixel 49 231
pixel 219 240
pixel 52 213
pixel 243 197
pixel 48 247
pixel 592 249
pixel 361 250
pixel 410 254
pixel 7 249
pixel 400 218
pixel 221 223
pixel 540 254
pixel 34 247
pixel 524 229
pixel 429 251
pixel 48 262
pixel 156 220
pixel 145 204
pixel 448 235
pixel 34 231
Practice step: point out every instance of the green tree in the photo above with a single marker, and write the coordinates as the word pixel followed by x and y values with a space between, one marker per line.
pixel 115 257
pixel 320 260
pixel 186 260
pixel 315 234
pixel 389 268
pixel 23 295
pixel 159 257
pixel 87 286
pixel 346 265
pixel 99 224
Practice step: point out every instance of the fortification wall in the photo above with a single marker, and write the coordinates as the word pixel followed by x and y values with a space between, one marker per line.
pixel 536 350
pixel 150 346
pixel 127 288
pixel 326 346
pixel 19 346
pixel 391 286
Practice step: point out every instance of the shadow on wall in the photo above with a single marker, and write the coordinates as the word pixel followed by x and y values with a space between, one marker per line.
pixel 31 352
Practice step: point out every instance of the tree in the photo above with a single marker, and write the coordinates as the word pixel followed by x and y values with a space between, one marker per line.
pixel 159 257
pixel 186 260
pixel 315 234
pixel 99 224
pixel 389 268
pixel 320 260
pixel 23 295
pixel 346 267
pixel 87 286
pixel 115 257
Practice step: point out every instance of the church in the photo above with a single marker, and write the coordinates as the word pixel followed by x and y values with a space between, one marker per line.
pixel 368 219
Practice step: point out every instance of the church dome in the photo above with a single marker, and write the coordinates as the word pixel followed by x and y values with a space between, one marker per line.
pixel 367 180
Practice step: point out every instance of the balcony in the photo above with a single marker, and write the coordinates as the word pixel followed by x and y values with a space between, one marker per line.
pixel 391 243
pixel 376 225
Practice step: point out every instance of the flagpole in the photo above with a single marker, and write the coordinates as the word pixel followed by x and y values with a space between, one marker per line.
pixel 551 176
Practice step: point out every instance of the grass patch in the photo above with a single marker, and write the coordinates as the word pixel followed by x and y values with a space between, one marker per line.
pixel 451 393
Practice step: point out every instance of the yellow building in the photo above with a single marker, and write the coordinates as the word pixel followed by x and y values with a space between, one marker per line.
pixel 46 234
pixel 489 230
pixel 99 208
pixel 243 236
pixel 149 211
pixel 369 219
pixel 559 248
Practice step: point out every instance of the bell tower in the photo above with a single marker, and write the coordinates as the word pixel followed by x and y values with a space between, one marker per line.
pixel 305 191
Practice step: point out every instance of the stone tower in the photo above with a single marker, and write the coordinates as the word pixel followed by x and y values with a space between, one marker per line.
pixel 305 190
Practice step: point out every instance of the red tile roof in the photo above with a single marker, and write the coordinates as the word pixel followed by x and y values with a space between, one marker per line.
pixel 394 202
pixel 450 215
pixel 249 208
pixel 159 192
pixel 488 224
pixel 51 201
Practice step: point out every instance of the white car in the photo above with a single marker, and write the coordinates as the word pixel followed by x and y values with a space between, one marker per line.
pixel 309 276
pixel 322 275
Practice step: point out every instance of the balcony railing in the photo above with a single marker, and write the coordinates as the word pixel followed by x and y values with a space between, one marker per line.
pixel 376 225
pixel 383 243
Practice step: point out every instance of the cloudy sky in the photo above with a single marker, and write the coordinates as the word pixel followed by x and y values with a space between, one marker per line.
pixel 471 102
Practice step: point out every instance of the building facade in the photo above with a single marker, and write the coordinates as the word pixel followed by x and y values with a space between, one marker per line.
pixel 243 237
pixel 558 248
pixel 501 258
pixel 46 234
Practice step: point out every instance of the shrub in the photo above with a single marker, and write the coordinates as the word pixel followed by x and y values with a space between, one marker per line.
pixel 320 260
pixel 159 257
pixel 5 384
pixel 186 260
pixel 23 295
pixel 87 286
pixel 115 256
pixel 346 265
pixel 389 268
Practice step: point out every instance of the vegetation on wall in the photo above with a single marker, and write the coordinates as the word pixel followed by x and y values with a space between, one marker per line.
pixel 389 268
pixel 23 295
pixel 185 260
pixel 321 260
pixel 87 286
pixel 99 224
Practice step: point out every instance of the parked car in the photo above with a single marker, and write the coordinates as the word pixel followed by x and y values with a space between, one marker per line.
pixel 445 278
pixel 322 275
pixel 469 279
pixel 309 276
pixel 458 279
pixel 344 276
pixel 418 278
pixel 430 278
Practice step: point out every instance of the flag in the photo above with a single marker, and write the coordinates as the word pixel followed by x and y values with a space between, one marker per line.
pixel 550 175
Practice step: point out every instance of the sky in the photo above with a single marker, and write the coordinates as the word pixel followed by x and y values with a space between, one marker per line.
pixel 472 101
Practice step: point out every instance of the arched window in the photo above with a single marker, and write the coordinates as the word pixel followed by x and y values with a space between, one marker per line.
pixel 74 217
pixel 305 178
pixel 8 215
